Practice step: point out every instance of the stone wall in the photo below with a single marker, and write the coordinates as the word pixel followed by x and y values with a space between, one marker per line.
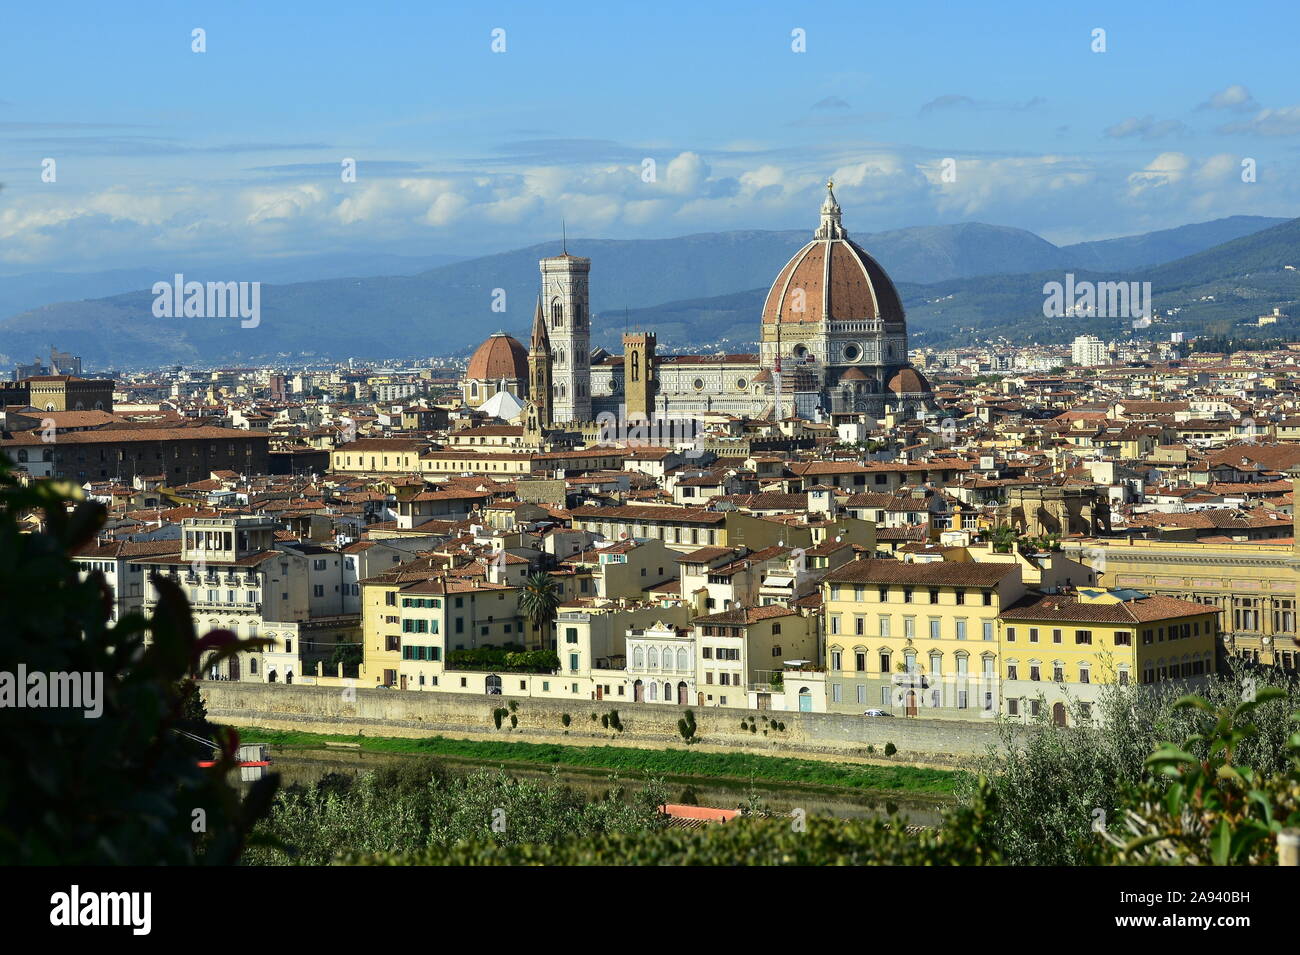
pixel 379 712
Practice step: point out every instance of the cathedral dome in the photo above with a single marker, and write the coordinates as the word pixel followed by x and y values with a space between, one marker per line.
pixel 499 357
pixel 832 279
pixel 908 381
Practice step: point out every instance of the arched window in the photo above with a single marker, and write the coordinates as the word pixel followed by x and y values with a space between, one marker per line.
pixel 638 658
pixel 22 455
pixel 473 389
pixel 681 659
pixel 557 313
pixel 654 659
pixel 636 366
pixel 654 691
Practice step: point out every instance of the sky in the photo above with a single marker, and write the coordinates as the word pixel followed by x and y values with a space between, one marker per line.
pixel 923 113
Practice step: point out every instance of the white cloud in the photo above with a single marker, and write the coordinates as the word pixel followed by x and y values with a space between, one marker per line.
pixel 1284 121
pixel 1235 97
pixel 1165 170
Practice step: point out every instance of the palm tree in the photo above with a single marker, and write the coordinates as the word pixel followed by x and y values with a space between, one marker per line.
pixel 539 600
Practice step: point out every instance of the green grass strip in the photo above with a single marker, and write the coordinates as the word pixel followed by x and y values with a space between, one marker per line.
pixel 625 760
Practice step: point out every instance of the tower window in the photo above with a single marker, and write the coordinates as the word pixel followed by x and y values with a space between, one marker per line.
pixel 557 313
pixel 636 366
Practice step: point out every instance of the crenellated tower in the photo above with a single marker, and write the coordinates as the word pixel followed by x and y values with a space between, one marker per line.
pixel 639 375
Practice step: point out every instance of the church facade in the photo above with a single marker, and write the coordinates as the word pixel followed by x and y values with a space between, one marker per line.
pixel 833 344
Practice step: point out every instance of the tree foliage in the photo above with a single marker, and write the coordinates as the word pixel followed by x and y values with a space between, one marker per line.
pixel 539 599
pixel 123 787
pixel 421 807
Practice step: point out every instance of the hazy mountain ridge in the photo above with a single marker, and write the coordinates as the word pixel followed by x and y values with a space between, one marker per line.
pixel 684 288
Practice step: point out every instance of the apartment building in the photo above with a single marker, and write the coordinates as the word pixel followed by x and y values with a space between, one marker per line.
pixel 236 579
pixel 906 636
pixel 412 618
pixel 746 648
pixel 1059 650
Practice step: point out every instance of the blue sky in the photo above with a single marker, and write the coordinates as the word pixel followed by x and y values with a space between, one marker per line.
pixel 236 151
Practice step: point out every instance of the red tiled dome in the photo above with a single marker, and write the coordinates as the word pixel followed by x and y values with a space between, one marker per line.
pixel 499 357
pixel 832 279
pixel 908 381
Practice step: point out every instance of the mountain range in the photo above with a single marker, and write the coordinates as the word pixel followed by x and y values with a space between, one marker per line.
pixel 958 281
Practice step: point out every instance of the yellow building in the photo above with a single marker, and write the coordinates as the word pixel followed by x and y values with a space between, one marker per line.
pixel 377 456
pixel 916 638
pixel 412 618
pixel 1064 647
pixel 1252 585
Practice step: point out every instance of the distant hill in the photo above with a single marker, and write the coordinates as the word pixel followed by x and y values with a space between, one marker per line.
pixel 695 290
pixel 1212 291
pixel 32 289
pixel 1166 245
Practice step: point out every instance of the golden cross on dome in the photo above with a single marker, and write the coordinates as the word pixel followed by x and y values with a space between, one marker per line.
pixel 830 184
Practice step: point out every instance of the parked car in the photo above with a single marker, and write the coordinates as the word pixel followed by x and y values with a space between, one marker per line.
pixel 877 713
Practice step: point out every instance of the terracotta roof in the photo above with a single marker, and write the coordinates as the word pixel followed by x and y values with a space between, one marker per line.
pixel 1144 608
pixel 499 357
pixel 745 615
pixel 933 574
pixel 649 513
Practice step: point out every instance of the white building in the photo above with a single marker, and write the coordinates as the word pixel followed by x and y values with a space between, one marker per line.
pixel 1089 351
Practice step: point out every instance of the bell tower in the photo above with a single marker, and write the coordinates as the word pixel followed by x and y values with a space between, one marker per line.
pixel 540 369
pixel 639 375
pixel 568 321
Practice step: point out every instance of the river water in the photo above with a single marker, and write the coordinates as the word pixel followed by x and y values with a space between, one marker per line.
pixel 305 766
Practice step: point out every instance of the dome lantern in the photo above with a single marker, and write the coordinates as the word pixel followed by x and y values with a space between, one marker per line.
pixel 830 227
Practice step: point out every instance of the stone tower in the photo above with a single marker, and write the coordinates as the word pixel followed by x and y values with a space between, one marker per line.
pixel 639 375
pixel 565 304
pixel 540 379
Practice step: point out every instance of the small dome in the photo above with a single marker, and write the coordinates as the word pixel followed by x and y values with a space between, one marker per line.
pixel 908 381
pixel 853 374
pixel 499 357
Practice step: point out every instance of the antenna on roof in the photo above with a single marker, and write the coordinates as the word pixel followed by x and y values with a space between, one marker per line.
pixel 564 237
